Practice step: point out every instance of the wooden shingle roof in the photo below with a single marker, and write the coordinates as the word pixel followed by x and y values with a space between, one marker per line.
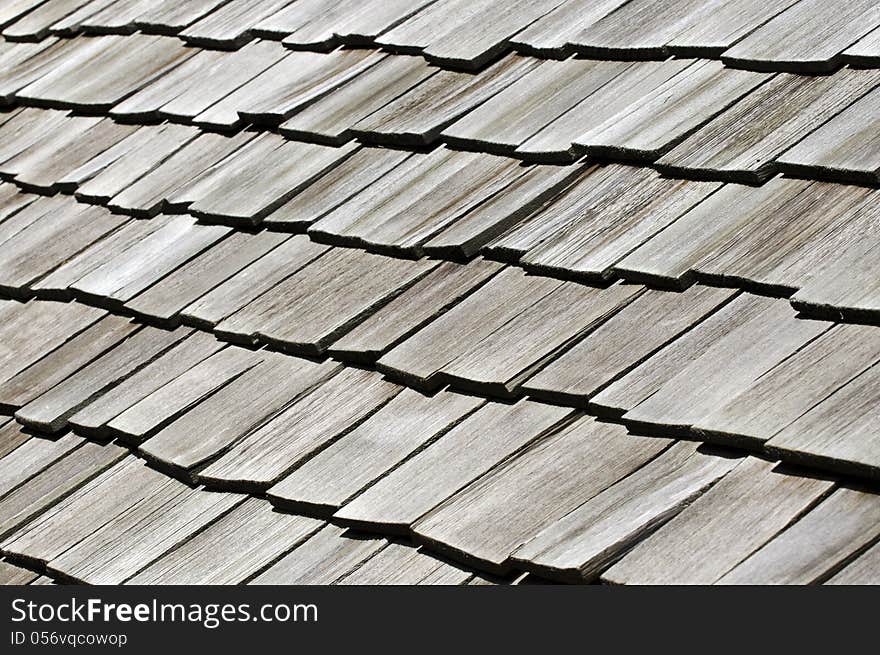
pixel 439 292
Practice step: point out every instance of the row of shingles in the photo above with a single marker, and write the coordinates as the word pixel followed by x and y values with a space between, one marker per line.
pixel 711 130
pixel 224 24
pixel 805 36
pixel 725 147
pixel 268 441
pixel 376 221
pixel 475 34
pixel 154 249
pixel 690 377
pixel 577 547
pixel 71 17
pixel 198 537
pixel 787 235
pixel 777 526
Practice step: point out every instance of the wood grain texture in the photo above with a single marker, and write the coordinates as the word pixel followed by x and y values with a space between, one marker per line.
pixel 15 575
pixel 645 379
pixel 236 410
pixel 815 547
pixel 844 285
pixel 844 149
pixel 173 184
pixel 57 284
pixel 837 432
pixel 431 296
pixel 181 392
pixel 231 25
pixel 306 312
pixel 232 548
pixel 128 161
pixel 296 82
pixel 787 240
pixel 30 330
pixel 399 429
pixel 615 214
pixel 808 37
pixel 322 559
pixel 550 35
pixel 117 67
pixel 164 301
pixel 420 115
pixel 493 217
pixel 712 32
pixel 669 257
pixel 400 564
pixel 730 366
pixel 555 141
pixel 135 538
pixel 581 544
pixel 52 159
pixel 629 337
pixel 502 360
pixel 218 78
pixel 49 242
pixel 417 200
pixel 330 119
pixel 794 387
pixel 49 412
pixel 11 436
pixel 863 571
pixel 497 513
pixel 64 361
pixel 92 420
pixel 742 143
pixel 169 16
pixel 669 113
pixel 639 29
pixel 306 427
pixel 475 446
pixel 420 358
pixel 336 187
pixel 85 511
pixel 261 176
pixel 131 271
pixel 55 483
pixel 743 511
pixel 508 119
pixel 31 457
pixel 252 281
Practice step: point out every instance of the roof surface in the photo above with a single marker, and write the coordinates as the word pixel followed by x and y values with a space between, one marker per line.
pixel 439 292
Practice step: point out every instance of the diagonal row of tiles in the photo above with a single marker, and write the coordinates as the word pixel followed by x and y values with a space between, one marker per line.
pixel 199 537
pixel 500 487
pixel 793 35
pixel 585 222
pixel 709 363
pixel 689 118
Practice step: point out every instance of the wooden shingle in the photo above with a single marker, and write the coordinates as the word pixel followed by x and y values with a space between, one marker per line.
pixel 473 447
pixel 381 443
pixel 578 546
pixel 497 513
pixel 743 511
